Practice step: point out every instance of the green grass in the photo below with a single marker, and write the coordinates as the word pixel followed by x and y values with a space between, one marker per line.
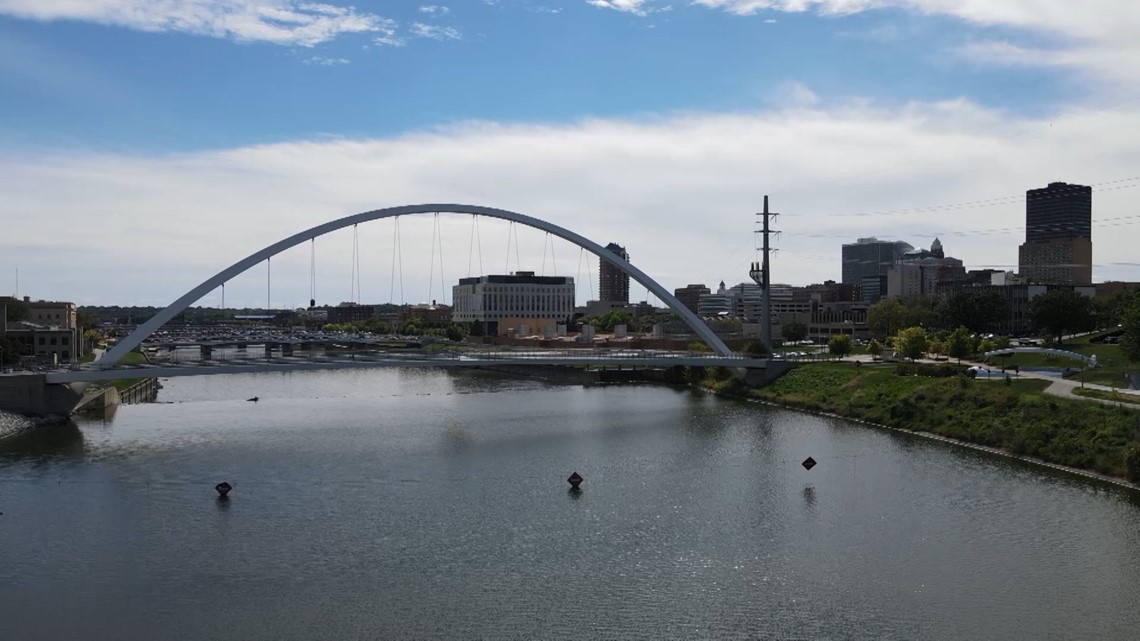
pixel 1110 369
pixel 1130 399
pixel 1017 417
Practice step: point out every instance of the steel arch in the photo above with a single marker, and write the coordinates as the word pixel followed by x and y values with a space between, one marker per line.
pixel 135 338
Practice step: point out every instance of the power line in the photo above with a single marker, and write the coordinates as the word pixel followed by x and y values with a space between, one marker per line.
pixel 990 202
pixel 1115 221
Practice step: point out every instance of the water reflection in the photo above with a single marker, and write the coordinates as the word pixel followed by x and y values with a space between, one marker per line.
pixel 64 440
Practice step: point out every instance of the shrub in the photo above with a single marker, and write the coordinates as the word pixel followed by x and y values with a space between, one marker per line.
pixel 755 348
pixel 929 370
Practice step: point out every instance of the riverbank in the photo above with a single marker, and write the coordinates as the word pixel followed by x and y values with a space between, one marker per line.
pixel 1015 419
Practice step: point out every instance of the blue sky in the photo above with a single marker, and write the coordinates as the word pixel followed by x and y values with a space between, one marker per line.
pixel 91 84
pixel 274 115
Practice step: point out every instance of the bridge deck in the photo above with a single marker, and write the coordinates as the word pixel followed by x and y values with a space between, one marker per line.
pixel 359 361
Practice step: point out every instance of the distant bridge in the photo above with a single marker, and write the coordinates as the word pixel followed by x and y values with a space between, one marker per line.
pixel 136 338
pixel 309 362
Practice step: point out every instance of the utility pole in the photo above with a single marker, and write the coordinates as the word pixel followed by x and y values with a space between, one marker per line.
pixel 761 274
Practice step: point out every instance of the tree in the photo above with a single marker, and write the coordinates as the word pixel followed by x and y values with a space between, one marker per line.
pixel 887 317
pixel 959 344
pixel 15 309
pixel 1129 317
pixel 794 332
pixel 1061 311
pixel 875 348
pixel 976 309
pixel 755 348
pixel 839 345
pixel 911 342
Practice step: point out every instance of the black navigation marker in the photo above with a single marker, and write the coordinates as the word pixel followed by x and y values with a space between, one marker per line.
pixel 575 480
pixel 223 489
pixel 808 463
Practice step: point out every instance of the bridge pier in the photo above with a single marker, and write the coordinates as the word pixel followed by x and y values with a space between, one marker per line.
pixel 269 349
pixel 206 352
pixel 286 349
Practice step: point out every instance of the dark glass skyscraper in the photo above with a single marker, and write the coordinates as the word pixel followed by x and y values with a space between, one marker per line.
pixel 613 283
pixel 867 261
pixel 1058 235
pixel 1059 211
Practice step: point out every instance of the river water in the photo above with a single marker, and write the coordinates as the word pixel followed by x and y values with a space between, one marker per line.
pixel 390 504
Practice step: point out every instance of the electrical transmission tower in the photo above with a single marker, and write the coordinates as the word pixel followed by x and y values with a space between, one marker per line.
pixel 761 274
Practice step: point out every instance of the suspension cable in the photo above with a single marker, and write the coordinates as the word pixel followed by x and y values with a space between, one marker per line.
pixel 223 295
pixel 442 282
pixel 590 277
pixel 400 252
pixel 431 270
pixel 471 247
pixel 507 264
pixel 545 242
pixel 479 240
pixel 553 258
pixel 312 272
pixel 392 280
pixel 354 284
pixel 268 283
pixel 518 263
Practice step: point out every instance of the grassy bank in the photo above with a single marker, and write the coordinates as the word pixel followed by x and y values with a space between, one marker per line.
pixel 1017 417
pixel 1129 399
pixel 1110 369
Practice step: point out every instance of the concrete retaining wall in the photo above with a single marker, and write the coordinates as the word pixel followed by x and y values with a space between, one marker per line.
pixel 32 395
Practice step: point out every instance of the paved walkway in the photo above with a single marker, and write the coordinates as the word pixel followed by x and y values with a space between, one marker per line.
pixel 1058 386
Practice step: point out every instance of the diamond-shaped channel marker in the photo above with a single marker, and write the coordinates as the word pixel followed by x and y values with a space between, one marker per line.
pixel 808 463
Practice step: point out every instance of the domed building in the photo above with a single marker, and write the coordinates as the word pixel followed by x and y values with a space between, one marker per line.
pixel 919 271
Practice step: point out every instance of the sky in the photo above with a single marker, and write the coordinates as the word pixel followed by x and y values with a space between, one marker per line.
pixel 145 145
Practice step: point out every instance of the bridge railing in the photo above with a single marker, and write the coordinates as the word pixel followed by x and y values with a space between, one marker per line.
pixel 221 356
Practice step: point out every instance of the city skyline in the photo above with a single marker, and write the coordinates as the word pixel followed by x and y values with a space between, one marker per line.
pixel 147 153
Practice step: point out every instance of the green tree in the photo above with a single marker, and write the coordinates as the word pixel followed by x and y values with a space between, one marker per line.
pixel 935 346
pixel 887 317
pixel 977 310
pixel 875 348
pixel 911 342
pixel 15 309
pixel 794 332
pixel 959 344
pixel 755 348
pixel 1129 317
pixel 1061 311
pixel 840 345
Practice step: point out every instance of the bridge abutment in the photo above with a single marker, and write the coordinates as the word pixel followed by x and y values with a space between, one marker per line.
pixel 32 395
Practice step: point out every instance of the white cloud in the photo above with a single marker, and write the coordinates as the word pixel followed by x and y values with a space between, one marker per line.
pixel 1094 35
pixel 435 10
pixel 636 7
pixel 679 192
pixel 286 22
pixel 326 62
pixel 434 32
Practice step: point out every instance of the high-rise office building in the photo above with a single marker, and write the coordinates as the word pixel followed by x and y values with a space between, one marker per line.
pixel 690 295
pixel 613 283
pixel 1058 235
pixel 867 261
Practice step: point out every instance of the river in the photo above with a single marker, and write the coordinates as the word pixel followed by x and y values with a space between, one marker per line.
pixel 388 504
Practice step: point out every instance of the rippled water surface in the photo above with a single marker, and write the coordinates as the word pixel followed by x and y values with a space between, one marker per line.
pixel 393 504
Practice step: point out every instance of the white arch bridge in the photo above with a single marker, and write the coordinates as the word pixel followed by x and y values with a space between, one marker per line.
pixel 109 367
